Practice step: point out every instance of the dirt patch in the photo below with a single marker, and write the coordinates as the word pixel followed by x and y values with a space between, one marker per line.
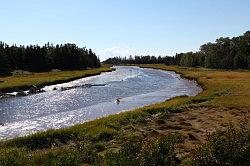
pixel 194 125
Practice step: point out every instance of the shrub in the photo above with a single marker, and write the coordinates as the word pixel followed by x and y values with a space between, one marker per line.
pixel 127 155
pixel 160 152
pixel 136 152
pixel 106 135
pixel 230 148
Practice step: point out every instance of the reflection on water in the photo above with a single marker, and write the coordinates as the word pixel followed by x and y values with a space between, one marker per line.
pixel 134 86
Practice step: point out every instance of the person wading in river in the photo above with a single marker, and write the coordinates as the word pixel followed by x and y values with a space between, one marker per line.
pixel 118 100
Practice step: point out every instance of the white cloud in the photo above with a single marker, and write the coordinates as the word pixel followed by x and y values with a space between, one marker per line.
pixel 116 51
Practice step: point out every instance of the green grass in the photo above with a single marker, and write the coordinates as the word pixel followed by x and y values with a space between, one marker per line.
pixel 107 141
pixel 45 78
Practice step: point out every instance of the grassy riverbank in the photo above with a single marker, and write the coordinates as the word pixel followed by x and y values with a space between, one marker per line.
pixel 23 82
pixel 165 133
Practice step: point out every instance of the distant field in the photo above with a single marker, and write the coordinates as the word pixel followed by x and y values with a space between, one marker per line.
pixel 175 132
pixel 45 78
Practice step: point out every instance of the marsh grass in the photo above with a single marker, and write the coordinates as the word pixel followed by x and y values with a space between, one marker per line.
pixel 23 82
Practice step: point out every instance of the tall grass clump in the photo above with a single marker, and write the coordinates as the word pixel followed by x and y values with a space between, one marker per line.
pixel 75 155
pixel 43 140
pixel 13 156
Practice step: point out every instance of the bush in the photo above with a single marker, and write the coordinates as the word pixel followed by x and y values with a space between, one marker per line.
pixel 136 152
pixel 230 147
pixel 106 135
pixel 159 152
pixel 127 155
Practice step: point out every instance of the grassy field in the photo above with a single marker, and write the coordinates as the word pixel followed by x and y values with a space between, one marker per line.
pixel 23 82
pixel 208 129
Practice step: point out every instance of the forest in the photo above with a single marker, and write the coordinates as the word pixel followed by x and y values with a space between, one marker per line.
pixel 225 53
pixel 35 58
pixel 168 60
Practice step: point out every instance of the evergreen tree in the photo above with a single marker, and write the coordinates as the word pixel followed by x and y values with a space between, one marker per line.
pixel 38 59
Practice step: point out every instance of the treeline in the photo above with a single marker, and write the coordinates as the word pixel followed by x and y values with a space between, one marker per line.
pixel 225 53
pixel 168 60
pixel 38 59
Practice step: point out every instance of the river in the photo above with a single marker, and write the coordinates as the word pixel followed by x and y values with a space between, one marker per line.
pixel 90 98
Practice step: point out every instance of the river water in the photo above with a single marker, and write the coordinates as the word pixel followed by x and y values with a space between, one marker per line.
pixel 54 109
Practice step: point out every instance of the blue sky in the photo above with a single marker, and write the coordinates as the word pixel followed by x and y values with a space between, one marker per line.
pixel 123 27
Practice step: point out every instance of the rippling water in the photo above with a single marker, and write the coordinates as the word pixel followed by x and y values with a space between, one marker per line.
pixel 56 109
